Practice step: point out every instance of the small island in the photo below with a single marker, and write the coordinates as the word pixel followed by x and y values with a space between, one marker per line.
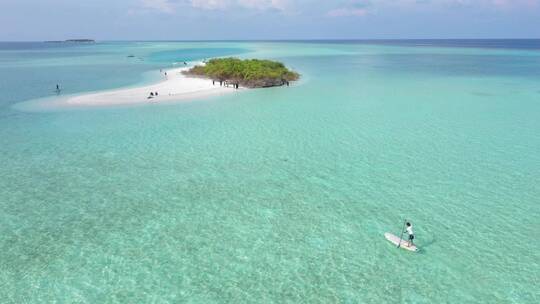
pixel 81 40
pixel 250 73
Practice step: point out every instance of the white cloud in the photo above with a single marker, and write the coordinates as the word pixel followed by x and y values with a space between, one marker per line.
pixel 355 8
pixel 169 6
pixel 340 8
pixel 209 4
pixel 344 12
pixel 365 7
pixel 264 4
pixel 164 6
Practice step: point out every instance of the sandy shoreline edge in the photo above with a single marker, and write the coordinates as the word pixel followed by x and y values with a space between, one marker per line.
pixel 174 87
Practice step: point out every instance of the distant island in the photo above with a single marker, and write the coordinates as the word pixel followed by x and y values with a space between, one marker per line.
pixel 80 40
pixel 250 73
pixel 72 40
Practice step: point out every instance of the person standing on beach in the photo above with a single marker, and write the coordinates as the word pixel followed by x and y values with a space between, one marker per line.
pixel 409 231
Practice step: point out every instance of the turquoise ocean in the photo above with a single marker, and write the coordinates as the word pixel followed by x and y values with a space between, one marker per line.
pixel 279 195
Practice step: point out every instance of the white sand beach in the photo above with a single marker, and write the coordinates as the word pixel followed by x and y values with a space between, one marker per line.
pixel 174 87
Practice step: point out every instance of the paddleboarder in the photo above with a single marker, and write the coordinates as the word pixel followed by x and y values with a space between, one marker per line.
pixel 409 230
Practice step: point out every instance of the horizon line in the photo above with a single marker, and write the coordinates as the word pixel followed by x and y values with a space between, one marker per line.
pixel 275 40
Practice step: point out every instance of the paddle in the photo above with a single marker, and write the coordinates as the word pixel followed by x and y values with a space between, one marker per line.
pixel 402 231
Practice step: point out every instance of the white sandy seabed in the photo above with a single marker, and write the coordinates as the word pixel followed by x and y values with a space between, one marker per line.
pixel 174 87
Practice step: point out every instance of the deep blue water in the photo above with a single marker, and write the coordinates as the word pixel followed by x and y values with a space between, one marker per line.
pixel 518 44
pixel 474 43
pixel 193 54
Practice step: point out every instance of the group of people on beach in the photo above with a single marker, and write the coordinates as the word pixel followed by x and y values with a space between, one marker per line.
pixel 225 83
pixel 152 95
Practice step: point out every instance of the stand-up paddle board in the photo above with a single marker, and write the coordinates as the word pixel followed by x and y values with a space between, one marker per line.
pixel 400 242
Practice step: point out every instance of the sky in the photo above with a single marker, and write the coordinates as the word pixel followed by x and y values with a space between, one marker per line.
pixel 37 20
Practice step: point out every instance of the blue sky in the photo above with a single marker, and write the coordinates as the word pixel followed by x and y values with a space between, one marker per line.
pixel 267 19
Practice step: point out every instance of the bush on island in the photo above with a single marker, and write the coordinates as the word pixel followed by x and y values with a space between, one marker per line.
pixel 251 73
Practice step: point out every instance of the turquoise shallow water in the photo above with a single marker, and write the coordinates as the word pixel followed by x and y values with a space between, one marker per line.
pixel 278 195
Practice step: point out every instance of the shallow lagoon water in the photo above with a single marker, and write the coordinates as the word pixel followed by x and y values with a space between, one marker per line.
pixel 275 195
